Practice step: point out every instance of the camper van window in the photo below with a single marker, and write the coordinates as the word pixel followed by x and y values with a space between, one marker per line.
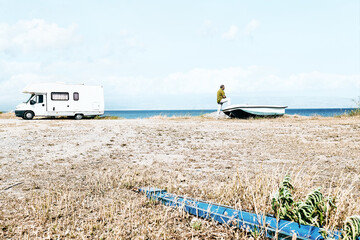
pixel 40 99
pixel 30 98
pixel 76 96
pixel 60 96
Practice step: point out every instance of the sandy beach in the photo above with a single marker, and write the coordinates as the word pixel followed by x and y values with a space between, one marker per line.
pixel 73 179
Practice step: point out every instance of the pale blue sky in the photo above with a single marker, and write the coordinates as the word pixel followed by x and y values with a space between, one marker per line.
pixel 175 54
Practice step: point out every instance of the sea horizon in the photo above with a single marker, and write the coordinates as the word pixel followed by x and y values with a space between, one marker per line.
pixel 146 113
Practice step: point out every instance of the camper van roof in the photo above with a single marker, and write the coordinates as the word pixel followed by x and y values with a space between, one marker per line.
pixel 46 87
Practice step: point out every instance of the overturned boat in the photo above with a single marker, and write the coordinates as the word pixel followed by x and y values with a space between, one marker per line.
pixel 247 111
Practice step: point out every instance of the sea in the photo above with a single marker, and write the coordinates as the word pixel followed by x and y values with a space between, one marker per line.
pixel 133 114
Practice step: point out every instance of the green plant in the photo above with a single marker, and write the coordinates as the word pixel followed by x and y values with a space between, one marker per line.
pixel 351 229
pixel 255 233
pixel 282 201
pixel 196 223
pixel 314 211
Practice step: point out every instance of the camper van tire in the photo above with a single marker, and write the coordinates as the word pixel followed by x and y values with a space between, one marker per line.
pixel 78 116
pixel 28 115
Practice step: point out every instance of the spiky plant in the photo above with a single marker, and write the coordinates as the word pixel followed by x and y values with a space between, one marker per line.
pixel 313 211
pixel 282 201
pixel 351 229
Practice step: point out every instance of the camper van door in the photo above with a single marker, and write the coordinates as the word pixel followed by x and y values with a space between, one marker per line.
pixel 38 103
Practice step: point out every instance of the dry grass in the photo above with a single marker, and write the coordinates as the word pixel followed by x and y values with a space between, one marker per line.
pixel 77 176
pixel 354 113
pixel 107 118
pixel 103 206
pixel 7 115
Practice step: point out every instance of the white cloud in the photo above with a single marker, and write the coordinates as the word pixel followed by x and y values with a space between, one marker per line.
pixel 10 89
pixel 196 81
pixel 251 26
pixel 251 80
pixel 254 79
pixel 36 34
pixel 231 33
pixel 208 29
pixel 131 91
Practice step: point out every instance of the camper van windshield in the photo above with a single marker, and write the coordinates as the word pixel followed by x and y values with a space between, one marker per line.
pixel 30 98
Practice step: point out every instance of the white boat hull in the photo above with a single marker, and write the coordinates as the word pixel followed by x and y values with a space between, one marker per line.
pixel 246 111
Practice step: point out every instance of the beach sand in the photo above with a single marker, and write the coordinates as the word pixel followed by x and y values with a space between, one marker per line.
pixel 73 179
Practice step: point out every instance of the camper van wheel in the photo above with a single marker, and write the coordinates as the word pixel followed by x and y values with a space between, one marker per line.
pixel 78 116
pixel 28 115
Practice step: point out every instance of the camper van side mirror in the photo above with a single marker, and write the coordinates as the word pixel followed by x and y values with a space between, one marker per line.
pixel 32 102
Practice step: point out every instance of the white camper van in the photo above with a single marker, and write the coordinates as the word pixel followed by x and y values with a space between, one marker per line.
pixel 60 99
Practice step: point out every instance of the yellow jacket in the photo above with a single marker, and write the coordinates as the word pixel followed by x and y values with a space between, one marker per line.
pixel 220 95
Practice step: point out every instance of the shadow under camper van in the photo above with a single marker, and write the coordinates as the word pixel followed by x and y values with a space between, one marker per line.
pixel 60 99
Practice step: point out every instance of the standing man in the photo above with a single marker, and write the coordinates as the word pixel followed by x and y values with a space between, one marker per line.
pixel 221 98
